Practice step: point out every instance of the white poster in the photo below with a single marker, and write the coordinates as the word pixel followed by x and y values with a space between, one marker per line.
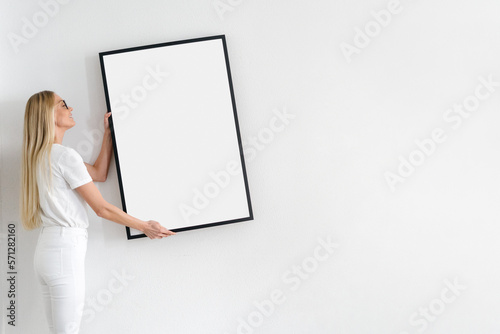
pixel 176 137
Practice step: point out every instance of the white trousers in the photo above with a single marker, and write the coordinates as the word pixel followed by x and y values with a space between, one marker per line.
pixel 59 265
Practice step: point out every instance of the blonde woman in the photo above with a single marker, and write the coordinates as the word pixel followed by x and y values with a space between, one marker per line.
pixel 55 185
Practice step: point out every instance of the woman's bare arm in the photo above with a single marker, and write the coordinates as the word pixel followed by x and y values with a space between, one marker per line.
pixel 99 170
pixel 103 209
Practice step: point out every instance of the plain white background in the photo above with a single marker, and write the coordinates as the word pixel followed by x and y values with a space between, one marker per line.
pixel 321 176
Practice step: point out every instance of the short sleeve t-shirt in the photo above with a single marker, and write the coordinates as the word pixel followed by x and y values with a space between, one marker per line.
pixel 63 206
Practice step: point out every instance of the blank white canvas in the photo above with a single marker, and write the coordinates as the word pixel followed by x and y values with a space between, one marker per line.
pixel 174 128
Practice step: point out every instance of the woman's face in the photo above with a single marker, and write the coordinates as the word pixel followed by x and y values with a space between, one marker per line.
pixel 63 117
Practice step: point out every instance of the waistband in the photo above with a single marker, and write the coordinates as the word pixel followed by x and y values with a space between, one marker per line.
pixel 63 230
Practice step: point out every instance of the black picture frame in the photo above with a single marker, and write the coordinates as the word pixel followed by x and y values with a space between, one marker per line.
pixel 108 57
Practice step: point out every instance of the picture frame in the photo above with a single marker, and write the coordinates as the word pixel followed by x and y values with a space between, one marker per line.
pixel 176 138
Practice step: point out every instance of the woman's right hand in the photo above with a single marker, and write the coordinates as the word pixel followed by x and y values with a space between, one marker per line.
pixel 155 230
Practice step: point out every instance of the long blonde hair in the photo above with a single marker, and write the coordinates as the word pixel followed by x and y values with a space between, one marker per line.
pixel 38 137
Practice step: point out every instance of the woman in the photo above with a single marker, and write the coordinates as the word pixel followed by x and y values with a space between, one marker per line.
pixel 55 185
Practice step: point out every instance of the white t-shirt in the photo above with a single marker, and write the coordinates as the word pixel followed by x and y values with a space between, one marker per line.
pixel 64 206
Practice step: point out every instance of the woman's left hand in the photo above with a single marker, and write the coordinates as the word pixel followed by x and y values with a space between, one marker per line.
pixel 106 121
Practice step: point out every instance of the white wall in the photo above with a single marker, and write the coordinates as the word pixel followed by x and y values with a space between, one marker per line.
pixel 322 177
